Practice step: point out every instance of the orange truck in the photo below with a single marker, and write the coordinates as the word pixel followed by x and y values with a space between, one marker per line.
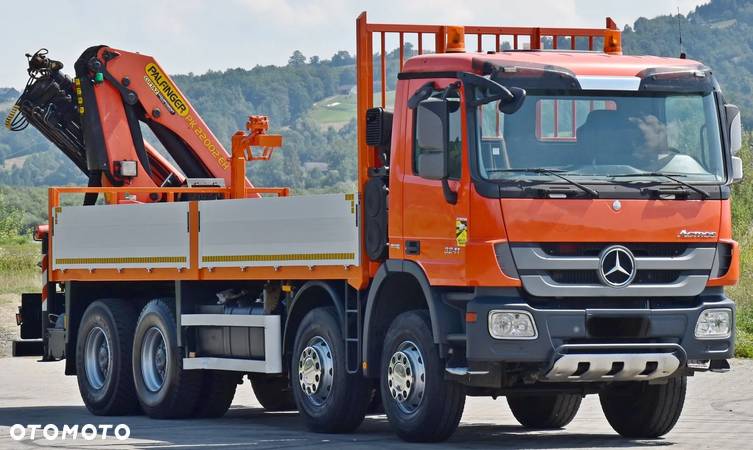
pixel 542 220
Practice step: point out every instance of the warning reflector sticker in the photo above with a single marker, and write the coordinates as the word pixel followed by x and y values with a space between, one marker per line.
pixel 461 231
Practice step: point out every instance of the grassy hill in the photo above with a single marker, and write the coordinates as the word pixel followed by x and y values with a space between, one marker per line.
pixel 338 110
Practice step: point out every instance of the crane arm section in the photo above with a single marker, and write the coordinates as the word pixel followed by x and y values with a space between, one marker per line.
pixel 96 120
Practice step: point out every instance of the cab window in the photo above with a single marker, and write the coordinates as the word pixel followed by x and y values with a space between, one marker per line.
pixel 560 119
pixel 455 145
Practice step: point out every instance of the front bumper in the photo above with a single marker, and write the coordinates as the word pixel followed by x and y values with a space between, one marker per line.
pixel 564 330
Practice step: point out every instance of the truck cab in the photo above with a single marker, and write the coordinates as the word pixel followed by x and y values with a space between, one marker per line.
pixel 608 188
pixel 571 210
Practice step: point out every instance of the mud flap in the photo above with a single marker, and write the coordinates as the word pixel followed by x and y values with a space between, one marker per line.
pixel 29 318
pixel 32 347
pixel 30 313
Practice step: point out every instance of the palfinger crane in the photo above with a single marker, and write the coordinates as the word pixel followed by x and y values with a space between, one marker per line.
pixel 96 119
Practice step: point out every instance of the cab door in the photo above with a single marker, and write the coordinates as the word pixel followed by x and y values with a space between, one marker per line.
pixel 435 230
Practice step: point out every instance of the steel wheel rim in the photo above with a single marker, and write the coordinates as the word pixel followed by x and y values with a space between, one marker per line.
pixel 97 358
pixel 154 359
pixel 406 377
pixel 316 370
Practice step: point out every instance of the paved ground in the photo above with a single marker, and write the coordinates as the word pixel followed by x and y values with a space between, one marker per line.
pixel 718 414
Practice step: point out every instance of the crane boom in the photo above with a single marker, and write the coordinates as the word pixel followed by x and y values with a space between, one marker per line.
pixel 96 120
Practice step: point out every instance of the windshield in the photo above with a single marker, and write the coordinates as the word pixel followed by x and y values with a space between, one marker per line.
pixel 591 137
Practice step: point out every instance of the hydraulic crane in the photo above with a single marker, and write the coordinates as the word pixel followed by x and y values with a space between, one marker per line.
pixel 96 120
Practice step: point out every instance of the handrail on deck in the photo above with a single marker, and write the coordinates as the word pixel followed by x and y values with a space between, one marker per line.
pixel 169 194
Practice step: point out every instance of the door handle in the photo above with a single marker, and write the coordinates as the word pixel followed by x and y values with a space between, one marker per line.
pixel 412 247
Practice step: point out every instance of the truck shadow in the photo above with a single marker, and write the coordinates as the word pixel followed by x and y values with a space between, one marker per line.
pixel 244 427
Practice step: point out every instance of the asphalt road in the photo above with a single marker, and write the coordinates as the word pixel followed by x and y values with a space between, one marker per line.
pixel 718 414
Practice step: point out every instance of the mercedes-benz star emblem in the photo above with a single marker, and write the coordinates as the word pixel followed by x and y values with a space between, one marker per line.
pixel 617 266
pixel 616 205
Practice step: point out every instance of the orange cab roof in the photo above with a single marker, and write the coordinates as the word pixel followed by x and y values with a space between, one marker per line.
pixel 580 63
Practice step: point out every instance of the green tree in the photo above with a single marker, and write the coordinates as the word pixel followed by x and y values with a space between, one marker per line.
pixel 342 58
pixel 11 223
pixel 296 59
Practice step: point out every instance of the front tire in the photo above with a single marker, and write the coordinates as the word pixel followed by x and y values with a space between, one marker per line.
pixel 164 389
pixel 103 358
pixel 643 410
pixel 420 404
pixel 329 399
pixel 546 412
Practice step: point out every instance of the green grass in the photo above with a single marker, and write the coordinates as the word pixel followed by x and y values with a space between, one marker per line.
pixel 742 229
pixel 18 267
pixel 339 110
pixel 744 344
pixel 743 296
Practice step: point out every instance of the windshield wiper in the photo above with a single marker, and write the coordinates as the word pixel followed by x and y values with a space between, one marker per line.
pixel 553 172
pixel 669 176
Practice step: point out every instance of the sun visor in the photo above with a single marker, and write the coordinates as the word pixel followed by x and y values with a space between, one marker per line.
pixel 678 79
pixel 528 75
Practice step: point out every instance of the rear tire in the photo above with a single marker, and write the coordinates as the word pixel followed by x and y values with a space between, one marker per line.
pixel 216 394
pixel 273 392
pixel 164 389
pixel 330 399
pixel 375 404
pixel 420 404
pixel 642 410
pixel 103 358
pixel 547 412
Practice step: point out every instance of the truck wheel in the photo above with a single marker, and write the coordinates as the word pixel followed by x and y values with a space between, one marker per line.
pixel 330 399
pixel 420 404
pixel 544 411
pixel 216 394
pixel 273 392
pixel 103 358
pixel 642 410
pixel 164 389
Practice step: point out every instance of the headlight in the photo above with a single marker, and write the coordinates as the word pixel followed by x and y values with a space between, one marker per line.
pixel 512 325
pixel 714 324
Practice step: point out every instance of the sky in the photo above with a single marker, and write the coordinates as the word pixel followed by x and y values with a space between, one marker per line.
pixel 198 35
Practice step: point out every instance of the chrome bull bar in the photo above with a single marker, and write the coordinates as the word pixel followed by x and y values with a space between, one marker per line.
pixel 614 362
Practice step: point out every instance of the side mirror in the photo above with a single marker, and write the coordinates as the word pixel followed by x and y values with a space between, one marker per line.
pixel 432 118
pixel 511 106
pixel 487 90
pixel 734 128
pixel 737 169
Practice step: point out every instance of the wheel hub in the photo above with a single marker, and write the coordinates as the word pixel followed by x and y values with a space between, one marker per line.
pixel 315 370
pixel 97 357
pixel 400 376
pixel 154 359
pixel 103 357
pixel 406 376
pixel 311 370
pixel 160 359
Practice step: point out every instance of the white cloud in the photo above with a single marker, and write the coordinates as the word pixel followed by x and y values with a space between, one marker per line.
pixel 196 35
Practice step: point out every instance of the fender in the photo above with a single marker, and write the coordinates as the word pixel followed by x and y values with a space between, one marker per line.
pixel 299 308
pixel 444 318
